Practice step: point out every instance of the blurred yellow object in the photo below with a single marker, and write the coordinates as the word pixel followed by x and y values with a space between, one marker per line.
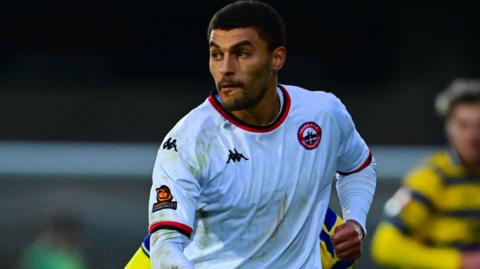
pixel 139 261
pixel 141 258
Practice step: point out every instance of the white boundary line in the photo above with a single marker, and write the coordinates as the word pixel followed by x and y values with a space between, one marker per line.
pixel 137 159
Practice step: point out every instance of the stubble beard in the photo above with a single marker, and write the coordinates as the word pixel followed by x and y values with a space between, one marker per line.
pixel 246 101
pixel 251 95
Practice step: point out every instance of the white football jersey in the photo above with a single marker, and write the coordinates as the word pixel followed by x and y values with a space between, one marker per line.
pixel 249 196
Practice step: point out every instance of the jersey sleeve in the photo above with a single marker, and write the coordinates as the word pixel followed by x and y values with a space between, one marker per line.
pixel 176 186
pixel 353 154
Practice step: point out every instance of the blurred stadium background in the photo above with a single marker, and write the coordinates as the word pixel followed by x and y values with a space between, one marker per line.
pixel 88 89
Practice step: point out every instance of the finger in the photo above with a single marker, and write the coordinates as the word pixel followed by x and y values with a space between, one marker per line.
pixel 342 235
pixel 347 249
pixel 358 229
pixel 346 236
pixel 346 245
pixel 344 232
pixel 352 253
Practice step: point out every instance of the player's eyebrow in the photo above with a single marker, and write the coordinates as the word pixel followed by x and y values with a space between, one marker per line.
pixel 233 47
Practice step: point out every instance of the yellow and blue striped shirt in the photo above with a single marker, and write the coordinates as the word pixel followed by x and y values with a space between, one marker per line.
pixel 433 217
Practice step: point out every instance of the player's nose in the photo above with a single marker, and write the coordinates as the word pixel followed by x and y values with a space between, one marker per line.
pixel 228 65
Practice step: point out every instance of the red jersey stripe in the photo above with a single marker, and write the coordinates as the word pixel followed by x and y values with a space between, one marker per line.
pixel 251 128
pixel 360 168
pixel 172 225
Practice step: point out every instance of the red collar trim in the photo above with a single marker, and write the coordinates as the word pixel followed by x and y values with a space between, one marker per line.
pixel 250 127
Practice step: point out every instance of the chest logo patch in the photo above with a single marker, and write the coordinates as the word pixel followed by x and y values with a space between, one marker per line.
pixel 309 135
pixel 164 199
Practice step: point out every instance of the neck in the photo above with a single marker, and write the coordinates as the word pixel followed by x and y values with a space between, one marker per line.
pixel 263 113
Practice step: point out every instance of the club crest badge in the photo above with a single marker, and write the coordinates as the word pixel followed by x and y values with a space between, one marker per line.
pixel 164 199
pixel 309 135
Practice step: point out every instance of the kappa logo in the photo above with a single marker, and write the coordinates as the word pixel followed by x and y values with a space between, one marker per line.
pixel 164 199
pixel 309 135
pixel 170 144
pixel 235 156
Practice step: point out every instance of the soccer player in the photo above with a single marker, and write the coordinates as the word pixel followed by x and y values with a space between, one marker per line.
pixel 141 258
pixel 244 179
pixel 433 221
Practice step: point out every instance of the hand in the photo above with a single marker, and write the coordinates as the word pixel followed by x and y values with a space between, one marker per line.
pixel 471 260
pixel 347 240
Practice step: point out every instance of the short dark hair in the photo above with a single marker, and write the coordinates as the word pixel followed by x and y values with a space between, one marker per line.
pixel 255 14
pixel 460 91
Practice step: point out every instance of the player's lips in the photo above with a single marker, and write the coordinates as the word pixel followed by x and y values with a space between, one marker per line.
pixel 227 88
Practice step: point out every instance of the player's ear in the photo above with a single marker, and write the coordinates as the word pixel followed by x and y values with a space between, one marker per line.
pixel 278 57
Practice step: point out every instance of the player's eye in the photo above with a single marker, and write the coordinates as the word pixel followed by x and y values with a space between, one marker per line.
pixel 216 55
pixel 243 53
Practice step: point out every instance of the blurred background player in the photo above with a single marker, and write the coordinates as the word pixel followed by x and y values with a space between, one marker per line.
pixel 434 219
pixel 58 246
pixel 141 258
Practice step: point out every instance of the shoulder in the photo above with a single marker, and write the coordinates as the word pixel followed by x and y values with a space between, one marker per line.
pixel 426 178
pixel 190 139
pixel 197 126
pixel 317 98
pixel 447 164
pixel 321 101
